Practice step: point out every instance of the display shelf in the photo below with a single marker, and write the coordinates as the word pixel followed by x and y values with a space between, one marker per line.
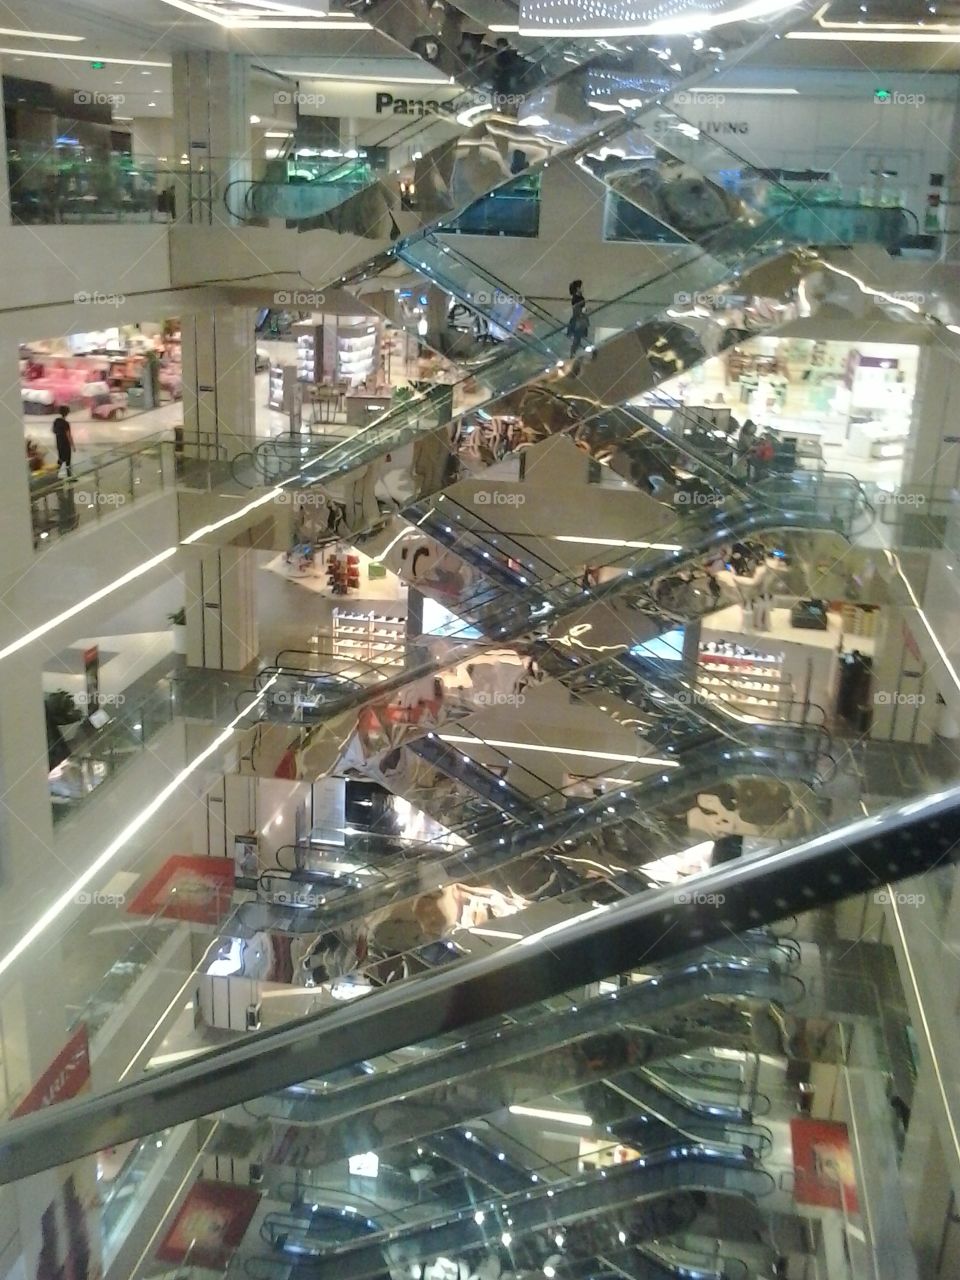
pixel 747 678
pixel 369 635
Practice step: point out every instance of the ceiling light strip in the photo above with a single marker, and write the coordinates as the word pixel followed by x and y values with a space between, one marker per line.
pixel 88 58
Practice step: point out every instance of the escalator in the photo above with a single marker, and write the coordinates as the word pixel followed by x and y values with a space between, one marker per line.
pixel 646 803
pixel 853 858
pixel 630 1194
pixel 446 679
pixel 711 1002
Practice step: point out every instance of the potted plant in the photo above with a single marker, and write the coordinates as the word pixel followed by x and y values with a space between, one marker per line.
pixel 178 623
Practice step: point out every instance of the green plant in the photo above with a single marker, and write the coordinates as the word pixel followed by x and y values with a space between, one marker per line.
pixel 178 618
pixel 402 394
pixel 62 708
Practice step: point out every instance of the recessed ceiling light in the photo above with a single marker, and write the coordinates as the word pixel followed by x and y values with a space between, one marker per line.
pixel 151 104
pixel 39 35
pixel 679 24
pixel 254 119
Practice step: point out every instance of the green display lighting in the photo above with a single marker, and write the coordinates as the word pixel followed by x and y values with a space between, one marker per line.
pixel 882 95
pixel 98 66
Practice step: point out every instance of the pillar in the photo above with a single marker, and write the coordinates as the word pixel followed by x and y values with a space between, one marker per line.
pixel 5 215
pixel 932 457
pixel 222 630
pixel 32 1027
pixel 219 351
pixel 211 133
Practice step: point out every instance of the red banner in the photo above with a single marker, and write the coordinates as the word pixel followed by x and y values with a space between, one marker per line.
pixel 67 1075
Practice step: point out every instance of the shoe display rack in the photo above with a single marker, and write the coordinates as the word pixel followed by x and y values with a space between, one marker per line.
pixel 369 637
pixel 751 680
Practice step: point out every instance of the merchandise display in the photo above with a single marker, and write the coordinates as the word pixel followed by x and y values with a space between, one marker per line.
pixel 105 373
pixel 850 404
pixel 750 679
pixel 791 672
pixel 369 636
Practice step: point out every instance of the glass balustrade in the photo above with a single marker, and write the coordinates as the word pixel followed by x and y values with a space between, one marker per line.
pixel 79 185
pixel 598 1097
pixel 99 487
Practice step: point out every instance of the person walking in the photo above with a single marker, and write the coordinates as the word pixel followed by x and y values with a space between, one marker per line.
pixel 746 438
pixel 63 434
pixel 579 325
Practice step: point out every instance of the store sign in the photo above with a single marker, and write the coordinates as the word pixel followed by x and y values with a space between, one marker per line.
pixel 709 128
pixel 67 1075
pixel 387 104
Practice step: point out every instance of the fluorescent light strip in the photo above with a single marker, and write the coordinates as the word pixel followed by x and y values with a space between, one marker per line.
pixel 823 21
pixel 16 645
pixel 721 89
pixel 504 28
pixel 496 933
pixel 564 751
pixel 39 35
pixel 865 37
pixel 271 25
pixel 615 542
pixel 131 576
pixel 562 1117
pixel 69 896
pixel 81 57
pixel 387 79
pixel 228 21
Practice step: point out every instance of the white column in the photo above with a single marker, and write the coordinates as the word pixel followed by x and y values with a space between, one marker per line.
pixel 211 127
pixel 219 350
pixel 5 217
pixel 32 1020
pixel 932 458
pixel 222 630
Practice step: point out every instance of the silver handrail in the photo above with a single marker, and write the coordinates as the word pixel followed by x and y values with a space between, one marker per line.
pixel 856 857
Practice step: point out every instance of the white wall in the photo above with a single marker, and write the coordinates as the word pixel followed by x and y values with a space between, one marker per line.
pixel 834 123
pixel 153 140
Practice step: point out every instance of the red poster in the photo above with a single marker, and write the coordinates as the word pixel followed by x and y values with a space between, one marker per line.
pixel 210 1225
pixel 824 1173
pixel 188 887
pixel 66 1076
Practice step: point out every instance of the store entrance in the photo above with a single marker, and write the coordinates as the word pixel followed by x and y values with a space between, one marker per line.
pixel 830 405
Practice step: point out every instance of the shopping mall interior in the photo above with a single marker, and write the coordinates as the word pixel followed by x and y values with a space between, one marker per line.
pixel 479 713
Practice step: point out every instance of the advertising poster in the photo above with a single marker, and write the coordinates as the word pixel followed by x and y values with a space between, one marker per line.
pixel 67 1242
pixel 210 1225
pixel 188 887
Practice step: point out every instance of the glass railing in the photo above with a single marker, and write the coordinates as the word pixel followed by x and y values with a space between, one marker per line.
pixel 306 195
pixel 96 756
pixel 99 487
pixel 56 185
pixel 590 1099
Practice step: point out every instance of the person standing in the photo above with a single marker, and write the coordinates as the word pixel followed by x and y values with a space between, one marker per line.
pixel 579 326
pixel 63 434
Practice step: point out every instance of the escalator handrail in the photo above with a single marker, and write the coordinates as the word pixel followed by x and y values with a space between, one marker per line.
pixel 854 858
